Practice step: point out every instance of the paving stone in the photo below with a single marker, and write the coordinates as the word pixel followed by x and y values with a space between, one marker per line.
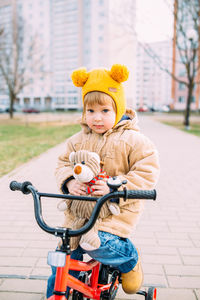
pixel 191 260
pixel 145 241
pixel 190 251
pixel 10 229
pixel 184 229
pixel 191 282
pixel 13 243
pixel 42 262
pixel 153 269
pixel 15 271
pixel 41 272
pixel 17 261
pixel 196 243
pixel 159 250
pixel 174 294
pixel 43 244
pixel 161 259
pixel 23 285
pixel 20 296
pixel 35 252
pixel 11 251
pixel 155 280
pixel 171 236
pixel 175 243
pixel 182 270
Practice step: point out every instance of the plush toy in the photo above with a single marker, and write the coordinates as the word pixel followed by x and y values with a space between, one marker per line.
pixel 86 169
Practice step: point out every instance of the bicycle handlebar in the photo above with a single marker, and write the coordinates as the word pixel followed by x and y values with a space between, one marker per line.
pixel 27 188
pixel 17 186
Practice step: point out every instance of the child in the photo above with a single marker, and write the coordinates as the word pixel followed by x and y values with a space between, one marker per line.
pixel 111 131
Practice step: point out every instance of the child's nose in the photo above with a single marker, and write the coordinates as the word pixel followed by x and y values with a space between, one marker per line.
pixel 97 116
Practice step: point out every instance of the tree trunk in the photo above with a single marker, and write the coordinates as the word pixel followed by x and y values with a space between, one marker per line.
pixel 187 110
pixel 12 99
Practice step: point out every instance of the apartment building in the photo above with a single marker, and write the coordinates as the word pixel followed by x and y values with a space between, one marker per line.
pixel 78 38
pixel 69 34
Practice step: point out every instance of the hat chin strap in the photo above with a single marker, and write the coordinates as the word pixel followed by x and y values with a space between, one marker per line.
pixel 86 174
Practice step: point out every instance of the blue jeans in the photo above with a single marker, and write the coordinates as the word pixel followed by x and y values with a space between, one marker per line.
pixel 114 251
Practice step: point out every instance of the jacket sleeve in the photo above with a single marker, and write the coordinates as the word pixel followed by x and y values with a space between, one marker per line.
pixel 63 172
pixel 143 166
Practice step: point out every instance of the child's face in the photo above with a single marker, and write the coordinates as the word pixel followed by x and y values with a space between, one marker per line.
pixel 100 118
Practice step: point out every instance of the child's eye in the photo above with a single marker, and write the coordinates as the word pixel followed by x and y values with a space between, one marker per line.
pixel 106 110
pixel 90 110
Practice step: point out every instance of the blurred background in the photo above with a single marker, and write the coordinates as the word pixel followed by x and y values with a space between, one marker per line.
pixel 42 41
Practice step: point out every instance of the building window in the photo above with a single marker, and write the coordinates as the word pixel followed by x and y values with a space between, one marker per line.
pixel 182 73
pixel 181 99
pixel 72 100
pixel 181 86
pixel 60 100
pixel 60 89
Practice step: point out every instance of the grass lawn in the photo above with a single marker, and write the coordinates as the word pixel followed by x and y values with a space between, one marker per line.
pixel 19 142
pixel 194 127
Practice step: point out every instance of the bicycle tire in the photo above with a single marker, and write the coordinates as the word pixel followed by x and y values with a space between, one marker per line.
pixel 152 293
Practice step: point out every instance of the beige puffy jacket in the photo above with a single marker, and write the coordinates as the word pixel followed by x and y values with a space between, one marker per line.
pixel 125 152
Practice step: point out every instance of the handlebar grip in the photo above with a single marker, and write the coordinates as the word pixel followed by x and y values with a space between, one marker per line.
pixel 17 186
pixel 131 194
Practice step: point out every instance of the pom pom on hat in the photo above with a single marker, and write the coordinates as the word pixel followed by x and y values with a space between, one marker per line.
pixel 79 77
pixel 119 73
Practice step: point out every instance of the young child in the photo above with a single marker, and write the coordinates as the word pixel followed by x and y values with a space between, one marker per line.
pixel 110 130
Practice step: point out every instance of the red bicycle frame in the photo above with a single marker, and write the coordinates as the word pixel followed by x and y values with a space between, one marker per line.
pixel 91 290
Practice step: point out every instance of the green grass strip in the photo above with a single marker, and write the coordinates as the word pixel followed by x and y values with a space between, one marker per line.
pixel 19 143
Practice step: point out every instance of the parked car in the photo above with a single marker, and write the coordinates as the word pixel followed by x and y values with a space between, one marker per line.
pixel 143 108
pixel 31 110
pixel 164 108
pixel 6 109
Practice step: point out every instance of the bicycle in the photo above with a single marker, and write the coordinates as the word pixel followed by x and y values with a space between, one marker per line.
pixel 96 281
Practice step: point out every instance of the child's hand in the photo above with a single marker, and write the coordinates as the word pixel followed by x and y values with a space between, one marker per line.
pixel 76 188
pixel 101 188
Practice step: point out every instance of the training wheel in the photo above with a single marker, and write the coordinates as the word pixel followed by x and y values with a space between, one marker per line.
pixel 151 294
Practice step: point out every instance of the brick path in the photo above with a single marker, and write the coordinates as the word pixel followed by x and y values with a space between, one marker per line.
pixel 168 235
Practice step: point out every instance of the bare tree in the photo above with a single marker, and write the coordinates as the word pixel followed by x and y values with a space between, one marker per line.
pixel 186 48
pixel 186 51
pixel 18 61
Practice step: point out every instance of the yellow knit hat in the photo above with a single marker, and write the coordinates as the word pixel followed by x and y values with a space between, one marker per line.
pixel 105 81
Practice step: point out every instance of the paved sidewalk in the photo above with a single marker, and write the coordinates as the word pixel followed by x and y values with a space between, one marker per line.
pixel 168 235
